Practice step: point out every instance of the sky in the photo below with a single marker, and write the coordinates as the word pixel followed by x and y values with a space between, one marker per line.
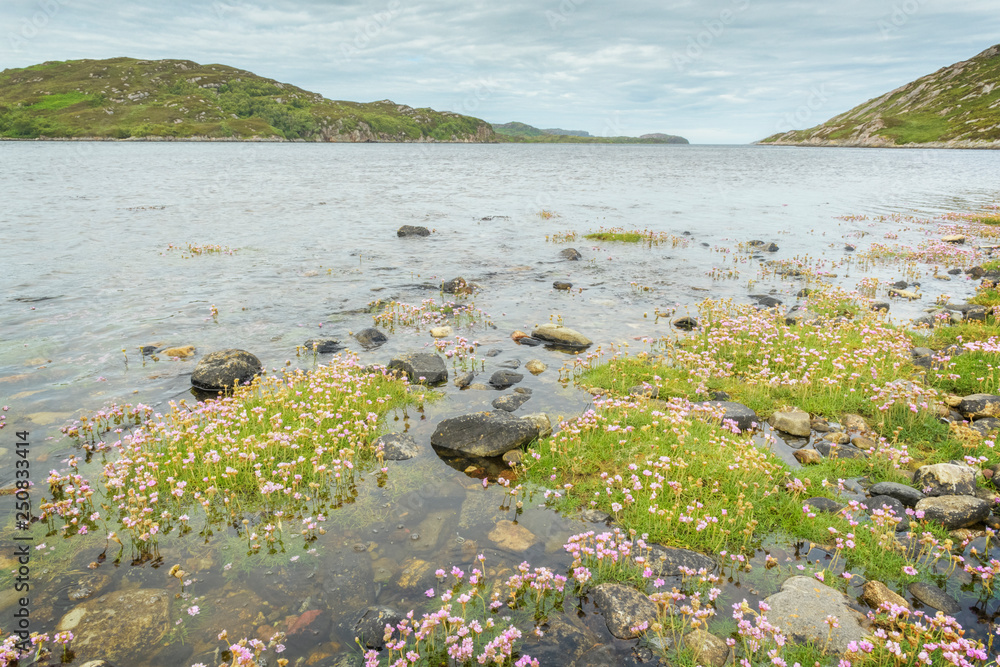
pixel 713 71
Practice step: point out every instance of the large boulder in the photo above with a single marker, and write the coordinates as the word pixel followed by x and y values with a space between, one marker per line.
pixel 421 367
pixel 901 492
pixel 800 609
pixel 744 418
pixel 980 405
pixel 623 609
pixel 557 334
pixel 954 511
pixel 946 479
pixel 219 371
pixel 484 433
pixel 792 422
pixel 119 625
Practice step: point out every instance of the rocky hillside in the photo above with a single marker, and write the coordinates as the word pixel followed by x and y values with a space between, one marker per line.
pixel 123 98
pixel 955 107
pixel 516 132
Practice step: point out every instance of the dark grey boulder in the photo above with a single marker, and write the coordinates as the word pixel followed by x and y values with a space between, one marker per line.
pixel 976 406
pixel 571 254
pixel 686 323
pixel 220 371
pixel 465 379
pixel 744 418
pixel 510 402
pixel 412 230
pixel 975 314
pixel 934 597
pixel 562 285
pixel 954 511
pixel 421 367
pixel 901 492
pixel 370 338
pixel 484 433
pixel 832 451
pixel 322 345
pixel 765 301
pixel 505 378
pixel 880 306
pixel 623 609
pixel 397 446
pixel 667 561
pixel 456 286
pixel 822 504
pixel 895 506
pixel 370 628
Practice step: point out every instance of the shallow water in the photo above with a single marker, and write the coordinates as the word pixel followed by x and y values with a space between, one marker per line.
pixel 88 272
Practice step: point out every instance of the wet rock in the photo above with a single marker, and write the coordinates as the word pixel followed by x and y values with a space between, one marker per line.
pixel 456 286
pixel 592 516
pixel 875 593
pixel 946 479
pixel 97 663
pixel 800 609
pixel 803 293
pixel 880 306
pixel 370 338
pixel 182 352
pixel 494 351
pixel 441 332
pixel 645 390
pixel 465 379
pixel 412 230
pixel 667 561
pixel 322 345
pixel 975 314
pixel 863 442
pixel 571 254
pixel 561 285
pixel 821 504
pixel 119 625
pixel 686 323
pixel 793 422
pixel 510 363
pixel 397 446
pixel 421 367
pixel 954 511
pixel 896 507
pixel 934 597
pixel 88 586
pixel 513 457
pixel 706 648
pixel 807 457
pixel 833 451
pixel 765 300
pixel 837 438
pixel 347 578
pixel 512 536
pixel 510 402
pixel 957 239
pixel 535 367
pixel 484 433
pixel 219 371
pixel 744 418
pixel 976 406
pixel 901 492
pixel 819 425
pixel 370 628
pixel 598 656
pixel 624 608
pixel 566 638
pixel 560 335
pixel 542 422
pixel 503 379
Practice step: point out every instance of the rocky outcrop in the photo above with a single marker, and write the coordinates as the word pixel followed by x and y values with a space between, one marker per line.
pixel 220 371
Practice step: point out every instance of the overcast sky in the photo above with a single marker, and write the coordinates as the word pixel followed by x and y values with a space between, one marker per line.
pixel 714 71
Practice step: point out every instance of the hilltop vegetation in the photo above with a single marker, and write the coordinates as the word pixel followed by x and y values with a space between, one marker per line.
pixel 120 98
pixel 956 107
pixel 515 132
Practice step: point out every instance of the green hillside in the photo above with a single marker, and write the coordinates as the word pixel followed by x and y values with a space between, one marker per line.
pixel 515 132
pixel 955 107
pixel 122 98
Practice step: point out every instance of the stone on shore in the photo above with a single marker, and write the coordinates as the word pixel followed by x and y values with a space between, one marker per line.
pixel 807 457
pixel 510 402
pixel 744 417
pixel 421 367
pixel 441 332
pixel 800 609
pixel 706 648
pixel 322 345
pixel 667 561
pixel 559 335
pixel 484 433
pixel 895 506
pixel 542 422
pixel 412 230
pixel 370 338
pixel 793 422
pixel 954 511
pixel 503 379
pixel 623 609
pixel 219 371
pixel 901 492
pixel 833 451
pixel 975 406
pixel 932 596
pixel 875 593
pixel 946 479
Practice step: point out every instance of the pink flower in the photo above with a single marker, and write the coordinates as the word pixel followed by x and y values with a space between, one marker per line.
pixel 429 592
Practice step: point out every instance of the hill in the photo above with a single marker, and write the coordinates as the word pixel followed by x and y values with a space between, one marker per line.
pixel 955 107
pixel 123 98
pixel 515 132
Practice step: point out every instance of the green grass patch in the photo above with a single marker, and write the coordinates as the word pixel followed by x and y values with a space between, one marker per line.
pixel 986 296
pixel 623 237
pixel 60 101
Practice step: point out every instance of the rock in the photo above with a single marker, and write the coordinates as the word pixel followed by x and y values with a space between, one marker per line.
pixel 624 608
pixel 504 378
pixel 645 390
pixel 513 364
pixel 853 422
pixel 560 335
pixel 954 511
pixel 560 285
pixel 895 506
pixel 571 254
pixel 706 649
pixel 666 561
pixel 863 442
pixel 119 625
pixel 833 451
pixel 800 609
pixel 875 593
pixel 182 352
pixel 512 536
pixel 219 371
pixel 441 332
pixel 535 367
pixel 412 230
pixel 793 422
pixel 974 272
pixel 807 457
pixel 819 425
pixel 975 314
pixel 510 402
pixel 849 248
pixel 932 596
pixel 901 492
pixel 803 293
pixel 97 663
pixel 980 405
pixel 370 338
pixel 821 504
pixel 744 418
pixel 494 351
pixel 957 239
pixel 421 367
pixel 322 345
pixel 880 306
pixel 766 301
pixel 598 656
pixel 370 628
pixel 837 438
pixel 904 294
pixel 541 422
pixel 946 479
pixel 484 433
pixel 686 323
pixel 456 286
pixel 397 446
pixel 771 247
pixel 465 379
pixel 513 457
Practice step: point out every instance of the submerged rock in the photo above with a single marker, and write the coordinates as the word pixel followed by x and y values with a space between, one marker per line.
pixel 421 367
pixel 322 345
pixel 512 536
pixel 119 625
pixel 800 609
pixel 484 433
pixel 412 230
pixel 371 338
pixel 624 608
pixel 220 370
pixel 397 446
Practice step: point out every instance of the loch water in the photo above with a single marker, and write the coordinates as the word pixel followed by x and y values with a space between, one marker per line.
pixel 94 266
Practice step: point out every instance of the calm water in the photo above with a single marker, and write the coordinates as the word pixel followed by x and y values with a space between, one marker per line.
pixel 87 272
